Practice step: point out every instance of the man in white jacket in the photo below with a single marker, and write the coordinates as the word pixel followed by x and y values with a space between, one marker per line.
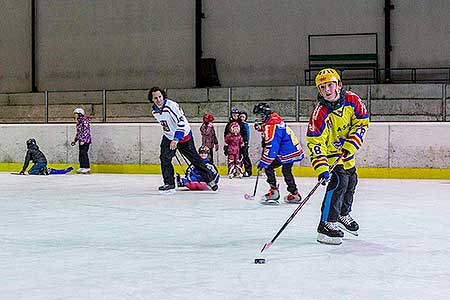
pixel 177 134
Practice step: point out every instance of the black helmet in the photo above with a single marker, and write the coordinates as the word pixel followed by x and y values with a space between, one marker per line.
pixel 203 149
pixel 31 142
pixel 263 110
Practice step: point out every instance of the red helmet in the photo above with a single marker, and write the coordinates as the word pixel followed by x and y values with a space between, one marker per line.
pixel 207 118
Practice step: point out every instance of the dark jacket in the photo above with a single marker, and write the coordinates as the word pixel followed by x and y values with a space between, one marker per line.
pixel 35 155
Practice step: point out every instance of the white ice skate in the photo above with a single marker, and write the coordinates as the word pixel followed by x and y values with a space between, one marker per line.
pixel 271 198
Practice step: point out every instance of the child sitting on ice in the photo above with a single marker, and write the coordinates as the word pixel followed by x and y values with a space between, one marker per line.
pixel 193 180
pixel 39 161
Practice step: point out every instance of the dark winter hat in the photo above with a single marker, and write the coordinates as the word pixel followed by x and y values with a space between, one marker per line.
pixel 243 112
pixel 203 149
pixel 31 142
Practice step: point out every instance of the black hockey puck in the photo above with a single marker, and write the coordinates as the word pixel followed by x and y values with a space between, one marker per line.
pixel 260 260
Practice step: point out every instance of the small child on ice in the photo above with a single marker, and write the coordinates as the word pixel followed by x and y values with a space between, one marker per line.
pixel 209 138
pixel 234 142
pixel 193 180
pixel 39 161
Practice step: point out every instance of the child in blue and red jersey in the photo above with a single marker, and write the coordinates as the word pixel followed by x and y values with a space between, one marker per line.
pixel 281 148
pixel 337 127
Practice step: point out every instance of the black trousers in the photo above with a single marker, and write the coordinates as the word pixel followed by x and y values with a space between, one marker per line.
pixel 287 174
pixel 187 149
pixel 83 156
pixel 211 155
pixel 338 198
pixel 246 160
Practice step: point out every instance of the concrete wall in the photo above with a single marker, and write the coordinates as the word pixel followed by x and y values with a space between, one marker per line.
pixel 394 102
pixel 15 46
pixel 388 145
pixel 114 44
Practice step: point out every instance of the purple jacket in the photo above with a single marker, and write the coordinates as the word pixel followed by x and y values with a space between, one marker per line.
pixel 83 130
pixel 209 138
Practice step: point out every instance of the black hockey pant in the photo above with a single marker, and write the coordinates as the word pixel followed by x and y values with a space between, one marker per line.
pixel 338 199
pixel 286 169
pixel 187 149
pixel 83 156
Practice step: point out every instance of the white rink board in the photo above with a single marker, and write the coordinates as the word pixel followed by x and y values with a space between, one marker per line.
pixel 387 145
pixel 106 236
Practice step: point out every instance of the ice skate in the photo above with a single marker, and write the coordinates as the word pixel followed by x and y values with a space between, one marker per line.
pixel 271 198
pixel 178 180
pixel 79 170
pixel 348 224
pixel 167 189
pixel 85 171
pixel 213 185
pixel 329 233
pixel 293 198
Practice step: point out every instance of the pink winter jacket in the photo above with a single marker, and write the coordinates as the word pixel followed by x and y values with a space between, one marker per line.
pixel 235 142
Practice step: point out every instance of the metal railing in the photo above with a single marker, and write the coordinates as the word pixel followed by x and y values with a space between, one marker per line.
pixel 294 103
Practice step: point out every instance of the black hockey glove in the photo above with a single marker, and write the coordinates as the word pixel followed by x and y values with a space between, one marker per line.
pixel 345 153
pixel 325 177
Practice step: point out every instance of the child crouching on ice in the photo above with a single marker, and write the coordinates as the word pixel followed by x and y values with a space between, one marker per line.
pixel 39 162
pixel 234 142
pixel 193 180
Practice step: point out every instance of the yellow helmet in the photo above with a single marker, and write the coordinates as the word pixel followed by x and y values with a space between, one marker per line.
pixel 327 75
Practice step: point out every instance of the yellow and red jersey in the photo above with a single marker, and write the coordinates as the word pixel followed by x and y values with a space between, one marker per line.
pixel 331 130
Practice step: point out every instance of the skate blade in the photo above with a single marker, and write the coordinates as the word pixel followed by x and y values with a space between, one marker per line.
pixel 168 192
pixel 355 233
pixel 270 203
pixel 325 239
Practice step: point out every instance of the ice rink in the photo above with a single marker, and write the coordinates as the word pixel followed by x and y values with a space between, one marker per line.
pixel 106 236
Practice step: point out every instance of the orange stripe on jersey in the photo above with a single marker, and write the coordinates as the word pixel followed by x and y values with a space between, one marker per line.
pixel 317 161
pixel 356 140
pixel 269 133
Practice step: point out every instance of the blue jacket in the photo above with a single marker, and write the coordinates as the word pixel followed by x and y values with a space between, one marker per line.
pixel 280 143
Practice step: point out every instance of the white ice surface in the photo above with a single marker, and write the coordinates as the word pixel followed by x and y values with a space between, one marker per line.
pixel 105 236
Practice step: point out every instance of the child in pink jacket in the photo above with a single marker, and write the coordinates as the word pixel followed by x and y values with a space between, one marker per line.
pixel 235 142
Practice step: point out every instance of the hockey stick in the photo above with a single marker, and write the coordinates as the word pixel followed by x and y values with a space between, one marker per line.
pixel 252 197
pixel 269 244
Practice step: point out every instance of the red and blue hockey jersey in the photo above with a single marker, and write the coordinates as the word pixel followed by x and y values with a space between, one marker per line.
pixel 280 143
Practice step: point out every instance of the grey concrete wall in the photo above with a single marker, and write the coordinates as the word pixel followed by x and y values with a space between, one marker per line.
pixel 388 145
pixel 114 44
pixel 15 46
pixel 265 42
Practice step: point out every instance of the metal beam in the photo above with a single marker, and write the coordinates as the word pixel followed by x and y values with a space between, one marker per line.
pixel 33 47
pixel 387 40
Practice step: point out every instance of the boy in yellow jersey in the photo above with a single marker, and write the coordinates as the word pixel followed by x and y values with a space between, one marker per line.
pixel 337 125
